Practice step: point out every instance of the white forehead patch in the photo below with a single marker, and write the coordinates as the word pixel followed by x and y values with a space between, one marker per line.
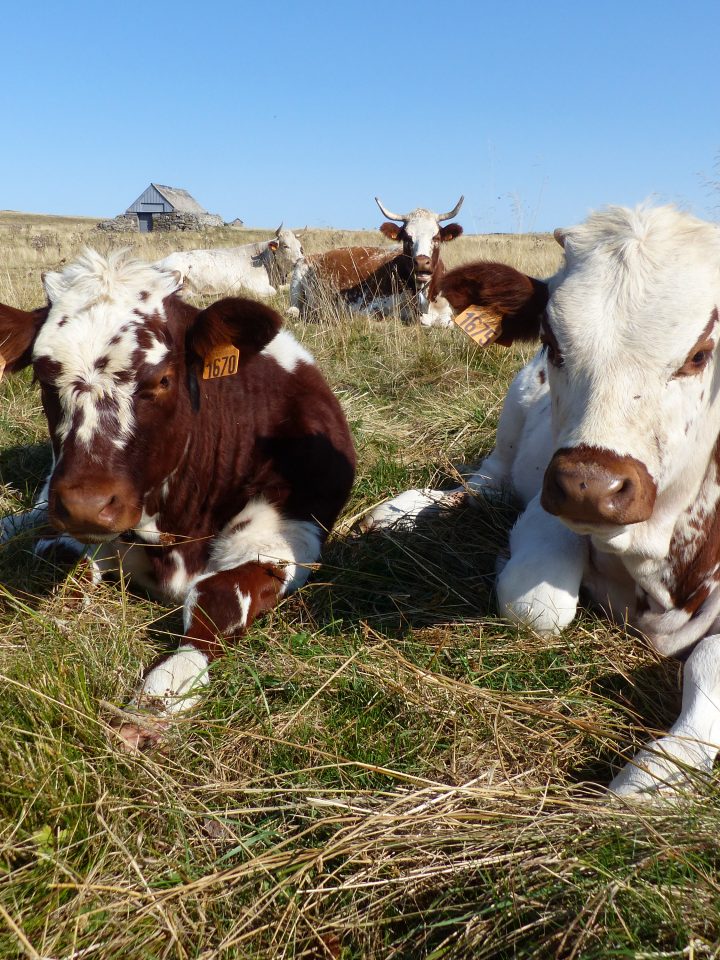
pixel 421 226
pixel 94 334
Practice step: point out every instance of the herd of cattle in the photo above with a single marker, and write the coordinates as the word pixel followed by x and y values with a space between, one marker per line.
pixel 201 451
pixel 372 280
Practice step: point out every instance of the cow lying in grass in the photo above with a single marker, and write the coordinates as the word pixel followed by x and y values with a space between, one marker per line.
pixel 610 437
pixel 200 451
pixel 255 268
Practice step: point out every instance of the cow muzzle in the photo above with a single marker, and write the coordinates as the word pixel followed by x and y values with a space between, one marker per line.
pixel 596 486
pixel 423 268
pixel 92 510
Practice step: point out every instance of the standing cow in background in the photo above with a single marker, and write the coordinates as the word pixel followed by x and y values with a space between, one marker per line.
pixel 258 268
pixel 376 280
pixel 201 452
pixel 610 436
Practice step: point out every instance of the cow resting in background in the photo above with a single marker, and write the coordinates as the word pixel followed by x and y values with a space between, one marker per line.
pixel 610 436
pixel 375 280
pixel 258 268
pixel 201 452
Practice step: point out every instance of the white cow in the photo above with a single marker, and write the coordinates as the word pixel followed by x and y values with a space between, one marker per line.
pixel 257 268
pixel 610 436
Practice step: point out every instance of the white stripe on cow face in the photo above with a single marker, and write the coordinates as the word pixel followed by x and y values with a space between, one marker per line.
pixel 423 233
pixel 96 336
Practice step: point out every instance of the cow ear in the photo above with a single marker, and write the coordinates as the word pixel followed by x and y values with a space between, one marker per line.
pixel 450 231
pixel 18 329
pixel 245 324
pixel 519 300
pixel 390 230
pixel 273 245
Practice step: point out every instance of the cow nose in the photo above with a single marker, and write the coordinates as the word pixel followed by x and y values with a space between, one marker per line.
pixel 589 485
pixel 78 508
pixel 423 265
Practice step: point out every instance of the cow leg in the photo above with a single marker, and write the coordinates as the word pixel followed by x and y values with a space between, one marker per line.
pixel 18 523
pixel 219 606
pixel 539 586
pixel 258 558
pixel 665 766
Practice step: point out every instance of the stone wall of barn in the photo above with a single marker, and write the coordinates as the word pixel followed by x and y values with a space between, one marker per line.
pixel 125 223
pixel 185 221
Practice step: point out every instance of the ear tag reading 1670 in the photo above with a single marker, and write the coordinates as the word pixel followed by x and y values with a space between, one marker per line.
pixel 222 361
pixel 482 324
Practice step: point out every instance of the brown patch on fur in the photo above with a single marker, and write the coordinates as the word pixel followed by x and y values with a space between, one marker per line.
pixel 18 329
pixel 691 561
pixel 521 300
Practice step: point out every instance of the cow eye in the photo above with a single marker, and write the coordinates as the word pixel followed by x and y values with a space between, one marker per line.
pixel 164 382
pixel 551 348
pixel 697 361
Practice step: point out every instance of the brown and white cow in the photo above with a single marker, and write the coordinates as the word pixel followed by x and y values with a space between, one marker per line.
pixel 610 436
pixel 375 280
pixel 200 451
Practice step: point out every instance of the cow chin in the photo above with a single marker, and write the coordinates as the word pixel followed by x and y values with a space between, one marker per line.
pixel 606 537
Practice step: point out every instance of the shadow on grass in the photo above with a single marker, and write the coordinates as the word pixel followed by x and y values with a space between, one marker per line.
pixel 442 570
pixel 651 695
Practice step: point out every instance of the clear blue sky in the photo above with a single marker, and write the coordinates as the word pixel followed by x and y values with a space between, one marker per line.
pixel 303 112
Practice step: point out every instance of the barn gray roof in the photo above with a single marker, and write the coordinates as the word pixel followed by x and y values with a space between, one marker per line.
pixel 179 199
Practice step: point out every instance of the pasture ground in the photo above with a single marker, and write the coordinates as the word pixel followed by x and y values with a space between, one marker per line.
pixel 383 768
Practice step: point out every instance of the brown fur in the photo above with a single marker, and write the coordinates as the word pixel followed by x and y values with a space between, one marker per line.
pixel 521 300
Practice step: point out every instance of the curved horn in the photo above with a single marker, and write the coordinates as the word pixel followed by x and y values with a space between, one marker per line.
pixel 449 216
pixel 277 232
pixel 387 213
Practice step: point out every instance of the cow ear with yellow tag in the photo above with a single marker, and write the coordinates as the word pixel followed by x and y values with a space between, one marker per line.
pixel 495 303
pixel 227 334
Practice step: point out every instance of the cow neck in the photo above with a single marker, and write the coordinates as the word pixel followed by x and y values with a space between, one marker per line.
pixel 690 572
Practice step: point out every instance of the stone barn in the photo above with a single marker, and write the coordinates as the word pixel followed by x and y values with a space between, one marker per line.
pixel 163 208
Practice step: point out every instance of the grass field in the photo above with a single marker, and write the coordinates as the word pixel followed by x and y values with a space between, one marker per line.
pixel 383 768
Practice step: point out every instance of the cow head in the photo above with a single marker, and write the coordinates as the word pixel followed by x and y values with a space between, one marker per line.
pixel 630 334
pixel 117 355
pixel 421 235
pixel 287 250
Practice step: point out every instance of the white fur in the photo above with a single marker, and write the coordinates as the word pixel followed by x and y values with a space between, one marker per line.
pixel 404 509
pixel 252 267
pixel 540 587
pixel 693 742
pixel 93 301
pixel 267 537
pixel 176 682
pixel 286 351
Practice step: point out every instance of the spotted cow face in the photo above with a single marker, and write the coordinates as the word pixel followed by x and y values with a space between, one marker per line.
pixel 116 354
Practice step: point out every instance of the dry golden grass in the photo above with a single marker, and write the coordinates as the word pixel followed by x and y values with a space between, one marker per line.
pixel 384 768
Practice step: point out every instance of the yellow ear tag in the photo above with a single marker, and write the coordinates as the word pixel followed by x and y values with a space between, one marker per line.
pixel 222 361
pixel 482 324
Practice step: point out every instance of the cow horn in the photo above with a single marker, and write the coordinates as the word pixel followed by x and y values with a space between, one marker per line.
pixel 387 213
pixel 449 216
pixel 277 232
